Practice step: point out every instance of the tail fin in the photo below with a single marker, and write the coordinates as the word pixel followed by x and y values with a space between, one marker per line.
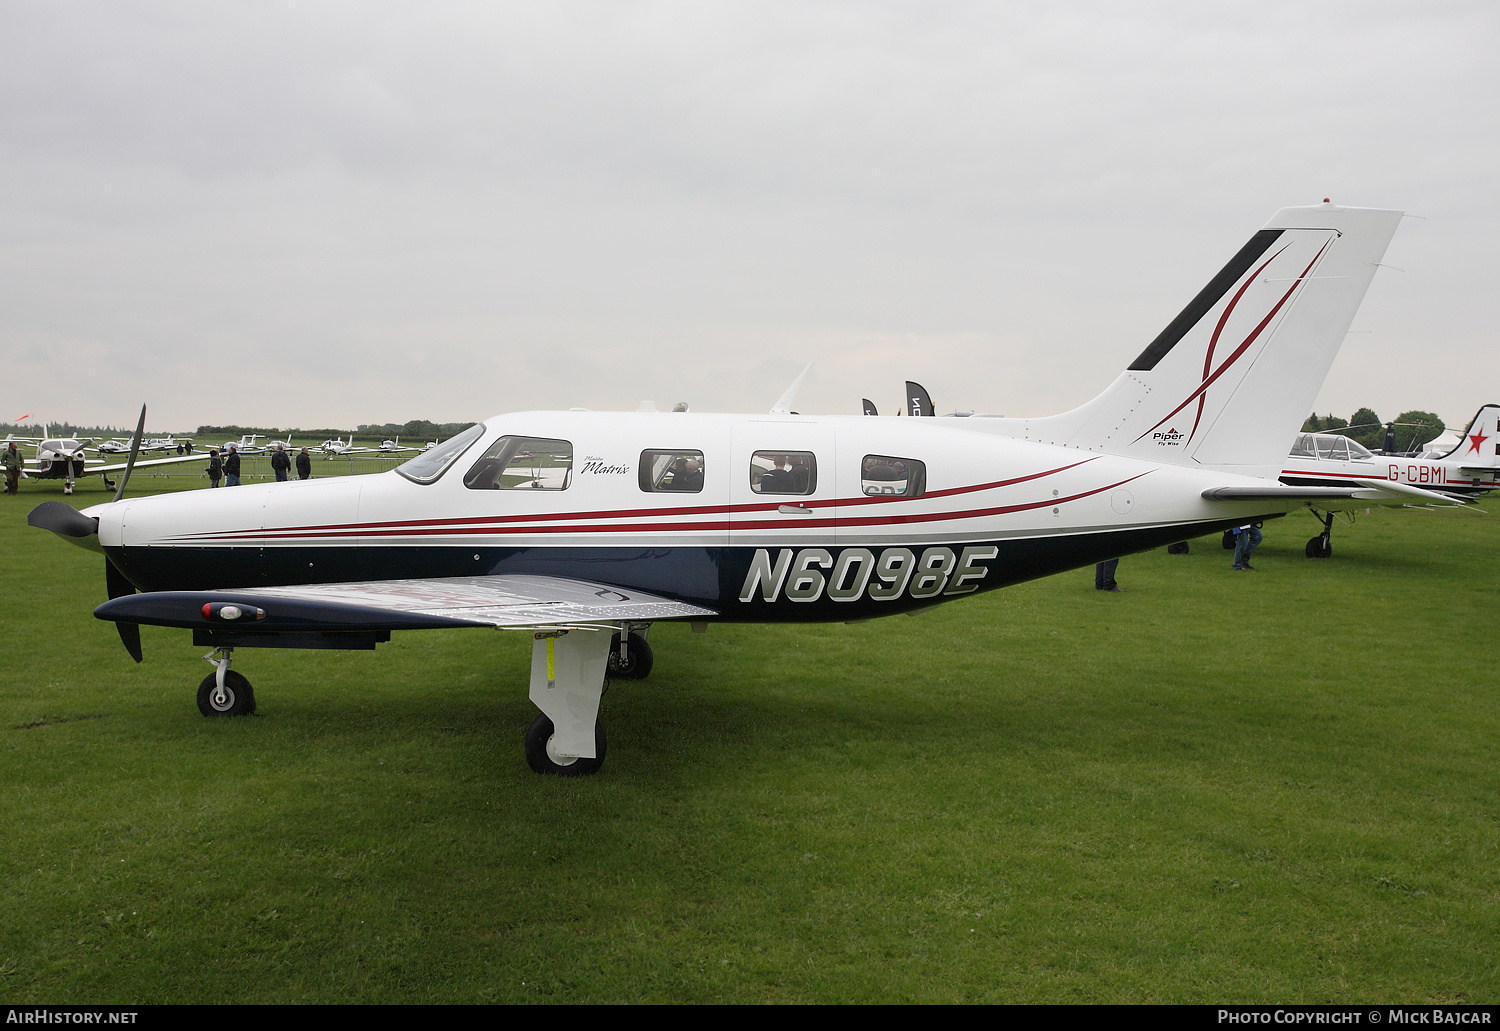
pixel 1227 384
pixel 1479 447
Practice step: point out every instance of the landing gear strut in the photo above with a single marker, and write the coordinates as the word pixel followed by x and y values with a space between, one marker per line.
pixel 224 692
pixel 1321 546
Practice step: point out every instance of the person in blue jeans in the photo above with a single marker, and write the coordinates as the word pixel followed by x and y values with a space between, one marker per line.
pixel 1245 540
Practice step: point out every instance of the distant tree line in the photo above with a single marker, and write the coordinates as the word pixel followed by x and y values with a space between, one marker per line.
pixel 415 428
pixel 1413 429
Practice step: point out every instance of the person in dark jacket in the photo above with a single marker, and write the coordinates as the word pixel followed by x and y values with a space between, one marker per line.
pixel 281 464
pixel 232 467
pixel 304 465
pixel 215 467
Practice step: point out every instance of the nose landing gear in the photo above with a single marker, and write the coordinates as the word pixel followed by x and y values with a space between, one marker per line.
pixel 224 692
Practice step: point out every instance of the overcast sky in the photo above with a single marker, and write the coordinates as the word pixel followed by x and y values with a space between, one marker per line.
pixel 321 214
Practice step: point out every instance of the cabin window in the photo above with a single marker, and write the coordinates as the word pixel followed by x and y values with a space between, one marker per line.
pixel 783 472
pixel 432 463
pixel 1358 450
pixel 671 472
pixel 1304 447
pixel 523 463
pixel 885 476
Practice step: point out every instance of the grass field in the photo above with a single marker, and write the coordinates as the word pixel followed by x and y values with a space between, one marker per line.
pixel 1275 786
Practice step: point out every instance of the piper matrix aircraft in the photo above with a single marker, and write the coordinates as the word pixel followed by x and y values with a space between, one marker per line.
pixel 582 528
pixel 1465 472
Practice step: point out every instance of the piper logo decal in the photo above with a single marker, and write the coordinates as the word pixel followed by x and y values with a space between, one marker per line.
pixel 807 574
pixel 1168 438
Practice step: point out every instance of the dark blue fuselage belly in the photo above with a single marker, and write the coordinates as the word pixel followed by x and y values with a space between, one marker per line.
pixel 714 577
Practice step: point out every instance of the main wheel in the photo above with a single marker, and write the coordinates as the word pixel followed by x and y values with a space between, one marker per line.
pixel 1228 540
pixel 541 757
pixel 1180 548
pixel 638 659
pixel 238 700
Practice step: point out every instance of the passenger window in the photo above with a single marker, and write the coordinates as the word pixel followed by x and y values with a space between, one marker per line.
pixel 523 463
pixel 1304 447
pixel 882 475
pixel 672 472
pixel 783 472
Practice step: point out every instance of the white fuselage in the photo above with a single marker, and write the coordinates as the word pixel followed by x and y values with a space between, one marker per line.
pixel 992 511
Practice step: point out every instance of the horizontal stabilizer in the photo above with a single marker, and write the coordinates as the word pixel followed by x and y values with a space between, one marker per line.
pixel 1382 492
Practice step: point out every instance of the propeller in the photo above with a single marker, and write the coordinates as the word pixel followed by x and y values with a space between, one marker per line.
pixel 135 449
pixel 76 528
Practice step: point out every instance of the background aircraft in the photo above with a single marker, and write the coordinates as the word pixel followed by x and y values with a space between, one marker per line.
pixel 565 525
pixel 1465 472
pixel 66 459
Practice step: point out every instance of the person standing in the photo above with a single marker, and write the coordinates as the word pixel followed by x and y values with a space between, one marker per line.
pixel 215 467
pixel 1104 576
pixel 304 465
pixel 281 464
pixel 232 467
pixel 1246 538
pixel 12 461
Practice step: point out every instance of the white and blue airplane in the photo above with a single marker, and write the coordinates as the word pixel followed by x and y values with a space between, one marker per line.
pixel 583 528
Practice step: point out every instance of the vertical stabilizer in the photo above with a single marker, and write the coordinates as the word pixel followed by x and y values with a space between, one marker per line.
pixel 1479 448
pixel 1229 381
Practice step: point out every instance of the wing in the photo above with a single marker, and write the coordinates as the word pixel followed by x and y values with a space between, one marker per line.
pixel 197 456
pixel 507 602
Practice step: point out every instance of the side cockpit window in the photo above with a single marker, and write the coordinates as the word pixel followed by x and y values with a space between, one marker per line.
pixel 1303 448
pixel 783 472
pixel 432 463
pixel 523 463
pixel 671 472
pixel 885 476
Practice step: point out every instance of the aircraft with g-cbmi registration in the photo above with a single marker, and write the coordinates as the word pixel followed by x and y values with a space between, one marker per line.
pixel 583 528
pixel 1464 473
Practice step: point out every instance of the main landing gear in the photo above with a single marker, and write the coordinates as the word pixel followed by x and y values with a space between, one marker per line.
pixel 568 669
pixel 1321 546
pixel 224 692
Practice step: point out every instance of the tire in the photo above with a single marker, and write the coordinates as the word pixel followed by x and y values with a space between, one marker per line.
pixel 539 735
pixel 1319 547
pixel 240 699
pixel 1180 548
pixel 1228 540
pixel 638 663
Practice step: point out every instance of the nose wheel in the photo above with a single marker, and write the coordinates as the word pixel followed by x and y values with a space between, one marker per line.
pixel 224 692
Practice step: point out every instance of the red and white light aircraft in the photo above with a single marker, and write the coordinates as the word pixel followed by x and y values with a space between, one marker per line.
pixel 582 528
pixel 1464 473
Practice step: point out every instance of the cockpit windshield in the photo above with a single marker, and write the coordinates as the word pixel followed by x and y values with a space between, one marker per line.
pixel 432 463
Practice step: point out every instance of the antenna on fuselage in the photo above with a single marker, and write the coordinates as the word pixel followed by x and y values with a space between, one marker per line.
pixel 784 405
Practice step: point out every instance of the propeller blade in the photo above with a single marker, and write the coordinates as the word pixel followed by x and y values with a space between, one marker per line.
pixel 62 519
pixel 135 449
pixel 118 586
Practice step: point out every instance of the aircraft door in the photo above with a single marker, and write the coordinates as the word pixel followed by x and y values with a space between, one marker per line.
pixel 783 484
